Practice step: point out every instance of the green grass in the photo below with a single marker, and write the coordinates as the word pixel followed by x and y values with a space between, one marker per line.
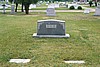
pixel 89 6
pixel 61 8
pixel 38 8
pixel 16 41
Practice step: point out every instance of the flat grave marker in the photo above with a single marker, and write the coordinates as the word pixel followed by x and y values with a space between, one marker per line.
pixel 19 60
pixel 75 61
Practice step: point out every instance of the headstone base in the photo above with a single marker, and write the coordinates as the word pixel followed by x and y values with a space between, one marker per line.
pixel 52 36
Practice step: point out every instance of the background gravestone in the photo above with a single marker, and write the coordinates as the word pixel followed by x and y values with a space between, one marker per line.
pixel 51 12
pixel 51 6
pixel 87 11
pixel 51 28
pixel 56 5
pixel 97 11
pixel 12 9
pixel 32 6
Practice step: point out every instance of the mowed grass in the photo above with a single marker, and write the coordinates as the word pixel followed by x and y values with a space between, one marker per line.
pixel 16 41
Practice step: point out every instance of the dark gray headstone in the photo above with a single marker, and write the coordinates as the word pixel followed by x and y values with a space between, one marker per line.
pixel 51 28
pixel 97 11
pixel 51 12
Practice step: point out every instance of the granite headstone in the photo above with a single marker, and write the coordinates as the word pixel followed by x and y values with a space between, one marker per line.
pixel 51 28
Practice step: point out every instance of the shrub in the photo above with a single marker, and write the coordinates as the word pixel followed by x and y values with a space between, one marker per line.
pixel 79 8
pixel 72 8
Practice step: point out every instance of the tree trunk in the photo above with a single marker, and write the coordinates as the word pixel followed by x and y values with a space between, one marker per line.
pixel 27 8
pixel 22 7
pixel 16 7
pixel 96 4
pixel 90 5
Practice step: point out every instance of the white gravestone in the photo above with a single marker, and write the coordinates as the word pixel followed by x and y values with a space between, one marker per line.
pixel 50 12
pixel 19 60
pixel 86 11
pixel 51 28
pixel 72 61
pixel 32 6
pixel 97 11
pixel 56 5
pixel 51 6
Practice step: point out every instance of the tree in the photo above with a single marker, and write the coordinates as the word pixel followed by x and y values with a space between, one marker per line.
pixel 26 4
pixel 16 2
pixel 90 2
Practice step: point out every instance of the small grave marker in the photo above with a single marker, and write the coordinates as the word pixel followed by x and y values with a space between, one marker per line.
pixel 32 6
pixel 51 6
pixel 75 62
pixel 19 60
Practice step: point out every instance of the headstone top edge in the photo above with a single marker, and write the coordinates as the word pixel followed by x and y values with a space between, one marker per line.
pixel 50 20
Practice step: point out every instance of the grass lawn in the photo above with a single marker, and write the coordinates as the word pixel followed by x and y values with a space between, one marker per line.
pixel 16 41
pixel 44 8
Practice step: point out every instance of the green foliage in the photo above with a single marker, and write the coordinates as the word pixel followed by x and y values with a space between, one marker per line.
pixel 79 8
pixel 90 2
pixel 16 1
pixel 71 7
pixel 25 1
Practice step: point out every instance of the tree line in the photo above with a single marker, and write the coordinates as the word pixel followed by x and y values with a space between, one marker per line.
pixel 26 4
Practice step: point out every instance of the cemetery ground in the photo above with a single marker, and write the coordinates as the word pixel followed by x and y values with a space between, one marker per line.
pixel 16 41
